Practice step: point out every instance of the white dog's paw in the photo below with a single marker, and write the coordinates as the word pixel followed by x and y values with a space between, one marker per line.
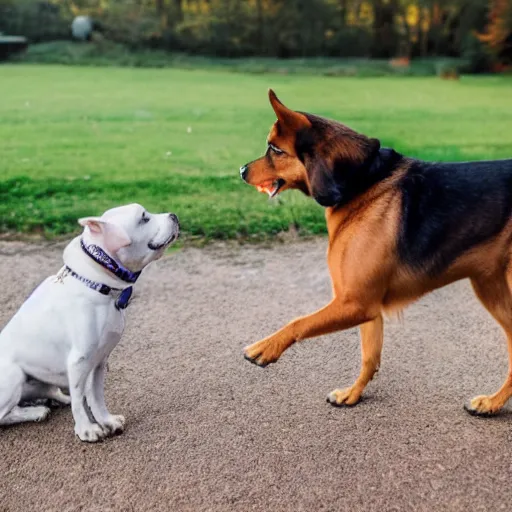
pixel 90 433
pixel 40 413
pixel 114 424
pixel 60 397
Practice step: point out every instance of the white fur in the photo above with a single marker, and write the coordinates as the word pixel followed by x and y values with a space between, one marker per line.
pixel 62 335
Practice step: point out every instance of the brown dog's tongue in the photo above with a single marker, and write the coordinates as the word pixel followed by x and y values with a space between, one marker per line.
pixel 266 188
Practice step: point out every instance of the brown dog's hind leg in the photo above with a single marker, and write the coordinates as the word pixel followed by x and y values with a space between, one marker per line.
pixel 496 296
pixel 372 337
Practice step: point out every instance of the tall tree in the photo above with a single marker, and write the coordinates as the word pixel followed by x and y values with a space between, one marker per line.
pixel 498 32
pixel 384 29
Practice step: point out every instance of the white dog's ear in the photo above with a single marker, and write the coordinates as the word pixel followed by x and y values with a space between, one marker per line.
pixel 110 236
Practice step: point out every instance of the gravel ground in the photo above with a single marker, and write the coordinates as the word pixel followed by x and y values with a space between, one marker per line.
pixel 206 430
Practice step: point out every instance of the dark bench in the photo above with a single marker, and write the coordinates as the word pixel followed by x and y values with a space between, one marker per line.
pixel 10 45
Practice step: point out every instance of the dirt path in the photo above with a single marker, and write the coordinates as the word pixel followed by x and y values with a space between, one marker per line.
pixel 208 431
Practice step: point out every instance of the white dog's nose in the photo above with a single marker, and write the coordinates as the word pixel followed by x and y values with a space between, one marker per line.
pixel 176 221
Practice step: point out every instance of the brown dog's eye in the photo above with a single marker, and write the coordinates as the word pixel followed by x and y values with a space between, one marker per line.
pixel 275 149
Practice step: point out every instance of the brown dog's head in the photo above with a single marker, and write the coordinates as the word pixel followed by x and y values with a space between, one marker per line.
pixel 322 158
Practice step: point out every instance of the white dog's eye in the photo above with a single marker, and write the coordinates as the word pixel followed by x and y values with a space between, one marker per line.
pixel 144 219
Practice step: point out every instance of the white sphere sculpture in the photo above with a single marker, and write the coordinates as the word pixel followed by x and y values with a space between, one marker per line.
pixel 81 28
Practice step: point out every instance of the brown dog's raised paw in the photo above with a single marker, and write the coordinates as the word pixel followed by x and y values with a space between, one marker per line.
pixel 261 353
pixel 255 361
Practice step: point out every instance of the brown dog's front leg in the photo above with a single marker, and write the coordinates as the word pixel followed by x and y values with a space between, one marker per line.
pixel 372 337
pixel 336 316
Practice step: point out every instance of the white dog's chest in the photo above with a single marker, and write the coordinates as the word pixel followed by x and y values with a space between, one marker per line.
pixel 112 331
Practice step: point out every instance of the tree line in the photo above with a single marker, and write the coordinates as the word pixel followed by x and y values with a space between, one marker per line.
pixel 477 29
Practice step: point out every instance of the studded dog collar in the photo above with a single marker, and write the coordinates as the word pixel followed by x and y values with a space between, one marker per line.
pixel 122 300
pixel 107 262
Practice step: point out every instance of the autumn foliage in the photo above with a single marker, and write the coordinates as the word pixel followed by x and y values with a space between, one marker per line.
pixel 498 31
pixel 479 30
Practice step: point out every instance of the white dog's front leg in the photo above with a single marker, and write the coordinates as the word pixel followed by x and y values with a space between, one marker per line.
pixel 79 368
pixel 95 396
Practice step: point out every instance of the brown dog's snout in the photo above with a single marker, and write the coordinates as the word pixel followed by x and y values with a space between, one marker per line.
pixel 243 171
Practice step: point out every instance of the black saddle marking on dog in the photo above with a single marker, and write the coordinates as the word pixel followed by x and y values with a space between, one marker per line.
pixel 448 208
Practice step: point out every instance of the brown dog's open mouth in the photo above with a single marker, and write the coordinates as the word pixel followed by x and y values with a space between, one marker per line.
pixel 270 187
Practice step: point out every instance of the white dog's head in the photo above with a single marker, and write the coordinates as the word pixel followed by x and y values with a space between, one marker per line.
pixel 131 235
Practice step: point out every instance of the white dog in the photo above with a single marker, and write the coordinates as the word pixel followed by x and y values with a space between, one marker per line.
pixel 62 335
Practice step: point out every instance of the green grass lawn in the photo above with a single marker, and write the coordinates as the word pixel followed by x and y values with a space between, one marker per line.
pixel 75 141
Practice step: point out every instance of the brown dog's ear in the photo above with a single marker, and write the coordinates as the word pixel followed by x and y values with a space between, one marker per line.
pixel 287 118
pixel 336 179
pixel 274 100
pixel 325 189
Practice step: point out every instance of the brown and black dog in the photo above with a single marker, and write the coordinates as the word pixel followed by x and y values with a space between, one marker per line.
pixel 398 229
